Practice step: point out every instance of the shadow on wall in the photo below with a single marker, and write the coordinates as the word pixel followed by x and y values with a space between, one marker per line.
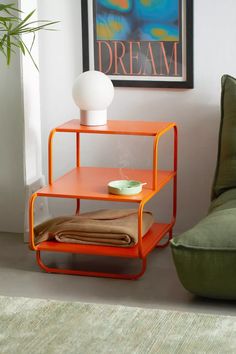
pixel 198 144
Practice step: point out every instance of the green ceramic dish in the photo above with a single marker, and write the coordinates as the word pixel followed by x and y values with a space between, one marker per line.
pixel 125 187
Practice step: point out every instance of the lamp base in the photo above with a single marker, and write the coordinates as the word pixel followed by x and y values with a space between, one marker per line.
pixel 93 117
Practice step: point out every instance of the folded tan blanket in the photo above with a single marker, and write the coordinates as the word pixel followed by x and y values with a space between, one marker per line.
pixel 108 227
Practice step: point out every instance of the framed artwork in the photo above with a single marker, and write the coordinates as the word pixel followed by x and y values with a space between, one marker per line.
pixel 139 43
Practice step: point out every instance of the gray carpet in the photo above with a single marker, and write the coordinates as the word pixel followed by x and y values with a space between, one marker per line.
pixel 46 326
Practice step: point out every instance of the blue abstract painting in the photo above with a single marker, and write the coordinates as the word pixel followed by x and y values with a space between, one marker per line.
pixel 152 20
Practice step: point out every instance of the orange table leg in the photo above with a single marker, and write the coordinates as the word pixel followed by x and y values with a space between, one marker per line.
pixel 90 273
pixel 50 161
pixel 174 181
pixel 78 165
pixel 31 221
pixel 175 177
pixel 163 245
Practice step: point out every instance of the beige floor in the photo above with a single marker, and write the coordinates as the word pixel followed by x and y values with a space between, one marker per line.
pixel 158 288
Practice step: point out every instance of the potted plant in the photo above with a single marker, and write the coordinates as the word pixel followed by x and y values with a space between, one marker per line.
pixel 13 26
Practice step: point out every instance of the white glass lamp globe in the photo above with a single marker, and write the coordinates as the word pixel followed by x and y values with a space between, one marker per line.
pixel 93 92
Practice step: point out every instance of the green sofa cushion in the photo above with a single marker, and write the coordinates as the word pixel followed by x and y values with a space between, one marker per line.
pixel 205 256
pixel 215 232
pixel 226 200
pixel 225 175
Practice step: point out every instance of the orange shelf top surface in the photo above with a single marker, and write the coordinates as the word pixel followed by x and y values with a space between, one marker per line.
pixel 122 127
pixel 91 183
pixel 150 240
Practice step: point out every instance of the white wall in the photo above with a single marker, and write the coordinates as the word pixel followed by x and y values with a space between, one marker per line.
pixel 195 111
pixel 11 147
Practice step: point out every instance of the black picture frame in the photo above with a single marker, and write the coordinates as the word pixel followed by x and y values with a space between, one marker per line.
pixel 186 81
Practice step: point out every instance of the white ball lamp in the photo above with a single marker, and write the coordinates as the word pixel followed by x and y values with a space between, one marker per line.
pixel 93 92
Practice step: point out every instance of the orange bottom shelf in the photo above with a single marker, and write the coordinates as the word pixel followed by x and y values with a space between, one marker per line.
pixel 150 240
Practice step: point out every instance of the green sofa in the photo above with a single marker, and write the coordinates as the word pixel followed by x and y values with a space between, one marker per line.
pixel 205 256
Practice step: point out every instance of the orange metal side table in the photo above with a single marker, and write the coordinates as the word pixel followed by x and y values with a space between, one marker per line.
pixel 80 184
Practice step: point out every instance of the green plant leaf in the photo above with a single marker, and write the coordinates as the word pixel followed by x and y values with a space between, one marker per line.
pixel 32 44
pixel 25 20
pixel 31 57
pixel 8 50
pixel 12 27
pixel 4 18
pixel 21 46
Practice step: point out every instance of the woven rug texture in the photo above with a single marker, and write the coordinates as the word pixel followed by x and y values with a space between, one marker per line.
pixel 34 326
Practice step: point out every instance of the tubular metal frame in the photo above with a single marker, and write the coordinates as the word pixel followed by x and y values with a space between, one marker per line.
pixel 142 203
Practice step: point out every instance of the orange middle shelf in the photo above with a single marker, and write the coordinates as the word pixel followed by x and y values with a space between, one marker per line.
pixel 91 183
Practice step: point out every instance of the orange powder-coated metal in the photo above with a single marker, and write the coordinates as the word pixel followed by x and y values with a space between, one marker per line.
pixel 78 165
pixel 91 183
pixel 120 127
